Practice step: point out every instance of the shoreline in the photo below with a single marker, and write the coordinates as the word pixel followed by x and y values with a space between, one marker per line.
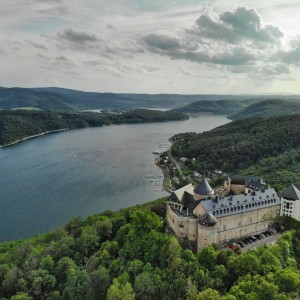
pixel 33 136
pixel 165 171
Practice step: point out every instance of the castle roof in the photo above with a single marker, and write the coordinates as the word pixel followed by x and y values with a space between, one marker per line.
pixel 208 219
pixel 180 193
pixel 203 188
pixel 236 204
pixel 252 182
pixel 291 193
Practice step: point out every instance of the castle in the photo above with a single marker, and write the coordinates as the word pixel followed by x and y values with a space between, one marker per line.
pixel 243 206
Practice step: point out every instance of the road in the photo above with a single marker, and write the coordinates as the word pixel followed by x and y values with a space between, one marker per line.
pixel 175 163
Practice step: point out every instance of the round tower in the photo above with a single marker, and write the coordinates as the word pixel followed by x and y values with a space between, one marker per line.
pixel 207 231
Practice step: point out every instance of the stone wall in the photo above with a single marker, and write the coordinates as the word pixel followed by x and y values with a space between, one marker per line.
pixel 183 226
pixel 206 236
pixel 246 223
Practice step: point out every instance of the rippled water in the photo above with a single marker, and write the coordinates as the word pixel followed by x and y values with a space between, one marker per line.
pixel 48 180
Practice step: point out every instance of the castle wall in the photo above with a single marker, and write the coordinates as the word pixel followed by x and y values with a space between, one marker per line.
pixel 246 223
pixel 291 208
pixel 199 210
pixel 183 226
pixel 237 189
pixel 206 236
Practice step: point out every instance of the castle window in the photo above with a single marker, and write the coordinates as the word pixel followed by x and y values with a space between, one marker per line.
pixel 213 212
pixel 181 226
pixel 246 205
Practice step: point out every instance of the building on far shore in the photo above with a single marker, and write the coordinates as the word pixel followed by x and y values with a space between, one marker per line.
pixel 291 202
pixel 243 206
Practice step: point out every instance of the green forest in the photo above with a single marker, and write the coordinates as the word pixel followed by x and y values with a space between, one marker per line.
pixel 269 148
pixel 19 124
pixel 128 255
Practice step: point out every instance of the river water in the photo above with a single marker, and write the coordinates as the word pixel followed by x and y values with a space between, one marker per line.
pixel 46 181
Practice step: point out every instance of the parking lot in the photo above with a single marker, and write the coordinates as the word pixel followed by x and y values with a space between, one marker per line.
pixel 245 246
pixel 270 240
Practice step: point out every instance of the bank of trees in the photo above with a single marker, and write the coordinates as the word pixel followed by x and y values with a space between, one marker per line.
pixel 263 147
pixel 128 255
pixel 19 124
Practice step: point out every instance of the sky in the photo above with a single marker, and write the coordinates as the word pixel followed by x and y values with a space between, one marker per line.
pixel 152 46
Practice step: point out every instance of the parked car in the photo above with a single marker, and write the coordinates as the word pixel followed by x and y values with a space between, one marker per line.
pixel 253 238
pixel 258 236
pixel 246 241
pixel 241 244
pixel 232 247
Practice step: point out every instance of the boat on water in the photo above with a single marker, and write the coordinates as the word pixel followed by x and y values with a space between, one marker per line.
pixel 157 152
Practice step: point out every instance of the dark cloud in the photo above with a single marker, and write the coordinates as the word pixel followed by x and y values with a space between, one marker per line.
pixel 275 70
pixel 51 62
pixel 242 24
pixel 189 50
pixel 78 37
pixel 110 26
pixel 37 45
pixel 49 1
pixel 162 42
pixel 291 56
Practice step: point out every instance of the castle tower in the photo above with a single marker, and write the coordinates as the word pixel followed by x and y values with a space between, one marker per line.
pixel 203 190
pixel 291 202
pixel 207 231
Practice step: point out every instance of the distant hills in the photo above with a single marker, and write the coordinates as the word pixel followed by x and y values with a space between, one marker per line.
pixel 67 100
pixel 268 108
pixel 12 98
pixel 219 107
pixel 72 101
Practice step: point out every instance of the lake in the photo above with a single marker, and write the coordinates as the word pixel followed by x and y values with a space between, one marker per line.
pixel 48 180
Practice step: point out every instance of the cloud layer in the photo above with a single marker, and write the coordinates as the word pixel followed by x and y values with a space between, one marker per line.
pixel 153 47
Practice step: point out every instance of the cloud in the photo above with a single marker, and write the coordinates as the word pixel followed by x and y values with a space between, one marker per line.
pixel 110 26
pixel 187 49
pixel 2 52
pixel 162 42
pixel 242 24
pixel 78 37
pixel 291 56
pixel 37 45
pixel 52 62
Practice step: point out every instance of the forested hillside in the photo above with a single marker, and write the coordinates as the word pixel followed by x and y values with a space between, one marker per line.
pixel 17 125
pixel 220 107
pixel 128 255
pixel 262 147
pixel 268 108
